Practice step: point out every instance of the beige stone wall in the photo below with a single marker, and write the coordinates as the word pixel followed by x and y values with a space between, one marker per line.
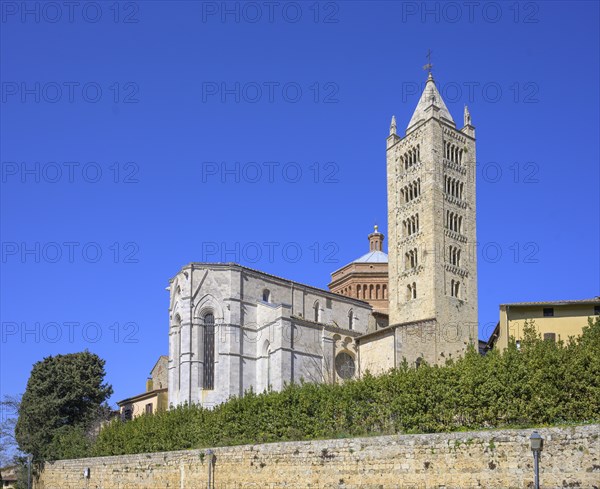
pixel 491 459
pixel 455 325
pixel 159 373
pixel 377 353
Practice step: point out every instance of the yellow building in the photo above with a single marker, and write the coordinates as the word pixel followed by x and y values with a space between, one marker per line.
pixel 8 477
pixel 155 398
pixel 556 320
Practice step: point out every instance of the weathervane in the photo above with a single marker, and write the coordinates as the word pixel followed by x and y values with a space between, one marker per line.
pixel 428 66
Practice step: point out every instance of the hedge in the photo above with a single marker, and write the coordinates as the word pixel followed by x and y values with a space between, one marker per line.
pixel 540 383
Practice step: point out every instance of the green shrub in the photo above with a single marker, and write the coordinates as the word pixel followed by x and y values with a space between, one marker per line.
pixel 541 383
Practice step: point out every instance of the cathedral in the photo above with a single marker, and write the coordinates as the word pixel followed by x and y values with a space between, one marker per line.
pixel 233 328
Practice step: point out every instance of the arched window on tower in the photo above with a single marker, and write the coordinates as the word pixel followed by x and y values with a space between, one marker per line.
pixel 411 291
pixel 208 378
pixel 317 312
pixel 455 288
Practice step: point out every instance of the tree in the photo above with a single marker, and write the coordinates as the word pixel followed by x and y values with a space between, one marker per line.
pixel 9 410
pixel 64 395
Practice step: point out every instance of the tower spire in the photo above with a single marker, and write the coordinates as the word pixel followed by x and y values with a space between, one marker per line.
pixel 393 125
pixel 430 98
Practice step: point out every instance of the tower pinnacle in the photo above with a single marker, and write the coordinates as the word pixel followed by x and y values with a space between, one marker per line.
pixel 393 125
pixel 467 117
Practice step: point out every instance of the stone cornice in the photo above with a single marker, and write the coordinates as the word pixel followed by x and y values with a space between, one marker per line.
pixel 456 201
pixel 456 236
pixel 455 166
pixel 461 272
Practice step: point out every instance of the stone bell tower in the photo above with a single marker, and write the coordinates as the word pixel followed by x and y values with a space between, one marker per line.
pixel 432 233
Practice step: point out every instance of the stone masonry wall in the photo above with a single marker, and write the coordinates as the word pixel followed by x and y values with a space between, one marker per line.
pixel 488 459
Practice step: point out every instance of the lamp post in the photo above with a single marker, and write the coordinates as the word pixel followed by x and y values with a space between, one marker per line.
pixel 211 458
pixel 537 443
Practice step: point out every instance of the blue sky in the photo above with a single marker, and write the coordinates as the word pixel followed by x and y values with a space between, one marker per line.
pixel 136 139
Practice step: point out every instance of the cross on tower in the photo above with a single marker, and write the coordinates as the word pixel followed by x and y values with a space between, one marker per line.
pixel 429 65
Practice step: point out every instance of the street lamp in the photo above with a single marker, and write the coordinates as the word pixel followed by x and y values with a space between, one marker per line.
pixel 29 460
pixel 211 470
pixel 537 444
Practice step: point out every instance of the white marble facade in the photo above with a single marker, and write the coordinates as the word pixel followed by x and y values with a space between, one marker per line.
pixel 233 329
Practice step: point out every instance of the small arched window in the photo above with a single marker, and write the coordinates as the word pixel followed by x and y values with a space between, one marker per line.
pixel 317 313
pixel 266 295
